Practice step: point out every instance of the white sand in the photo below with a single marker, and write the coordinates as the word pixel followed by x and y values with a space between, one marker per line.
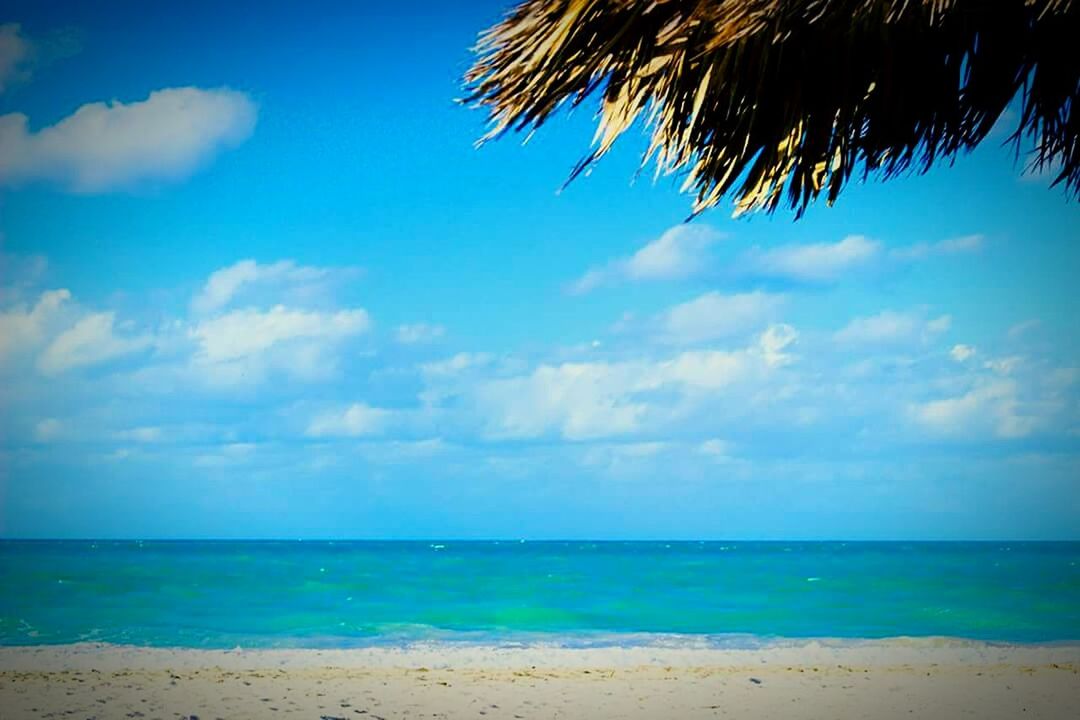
pixel 888 679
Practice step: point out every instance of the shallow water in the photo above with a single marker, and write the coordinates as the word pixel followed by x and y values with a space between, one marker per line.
pixel 325 594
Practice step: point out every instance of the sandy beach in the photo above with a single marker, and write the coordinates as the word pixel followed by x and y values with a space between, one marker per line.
pixel 889 679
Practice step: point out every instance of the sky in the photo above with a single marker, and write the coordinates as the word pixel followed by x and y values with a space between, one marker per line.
pixel 256 280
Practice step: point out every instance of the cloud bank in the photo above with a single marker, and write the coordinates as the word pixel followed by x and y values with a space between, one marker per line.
pixel 110 146
pixel 681 252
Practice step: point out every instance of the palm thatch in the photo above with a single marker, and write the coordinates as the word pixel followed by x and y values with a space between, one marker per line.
pixel 756 97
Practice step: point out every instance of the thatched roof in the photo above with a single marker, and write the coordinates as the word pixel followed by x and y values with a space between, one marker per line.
pixel 779 101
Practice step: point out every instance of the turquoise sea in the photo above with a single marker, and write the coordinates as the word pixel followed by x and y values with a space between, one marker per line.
pixel 322 594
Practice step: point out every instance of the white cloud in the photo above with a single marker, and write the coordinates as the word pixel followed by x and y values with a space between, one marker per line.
pixel 966 243
pixel 682 251
pixel 952 246
pixel 887 326
pixel 699 370
pixel 223 284
pixel 356 420
pixel 148 434
pixel 456 364
pixel 1021 329
pixel 89 341
pixel 578 400
pixel 243 333
pixel 938 325
pixel 106 146
pixel 453 376
pixel 588 400
pixel 891 327
pixel 715 448
pixel 961 353
pixel 774 341
pixel 15 51
pixel 988 407
pixel 679 252
pixel 392 452
pixel 20 273
pixel 230 454
pixel 284 277
pixel 418 333
pixel 1005 365
pixel 713 316
pixel 48 429
pixel 21 329
pixel 828 262
pixel 624 458
pixel 816 262
pixel 241 348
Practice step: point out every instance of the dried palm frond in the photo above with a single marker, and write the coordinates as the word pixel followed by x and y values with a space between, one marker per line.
pixel 759 97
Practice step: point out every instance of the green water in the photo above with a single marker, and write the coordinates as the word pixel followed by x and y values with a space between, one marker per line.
pixel 221 594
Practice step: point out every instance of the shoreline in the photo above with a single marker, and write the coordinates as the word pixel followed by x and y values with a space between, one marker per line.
pixel 887 652
pixel 669 646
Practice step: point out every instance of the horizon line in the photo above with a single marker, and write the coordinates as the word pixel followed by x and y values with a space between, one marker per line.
pixel 518 540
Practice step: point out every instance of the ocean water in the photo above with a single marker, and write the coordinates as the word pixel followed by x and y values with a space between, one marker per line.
pixel 341 594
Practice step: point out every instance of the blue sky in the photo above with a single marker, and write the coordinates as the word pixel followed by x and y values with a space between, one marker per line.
pixel 256 281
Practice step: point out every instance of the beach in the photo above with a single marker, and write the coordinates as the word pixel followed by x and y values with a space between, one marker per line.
pixel 925 678
pixel 321 400
pixel 538 630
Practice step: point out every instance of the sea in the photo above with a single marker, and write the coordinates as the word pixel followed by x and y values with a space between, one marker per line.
pixel 323 594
